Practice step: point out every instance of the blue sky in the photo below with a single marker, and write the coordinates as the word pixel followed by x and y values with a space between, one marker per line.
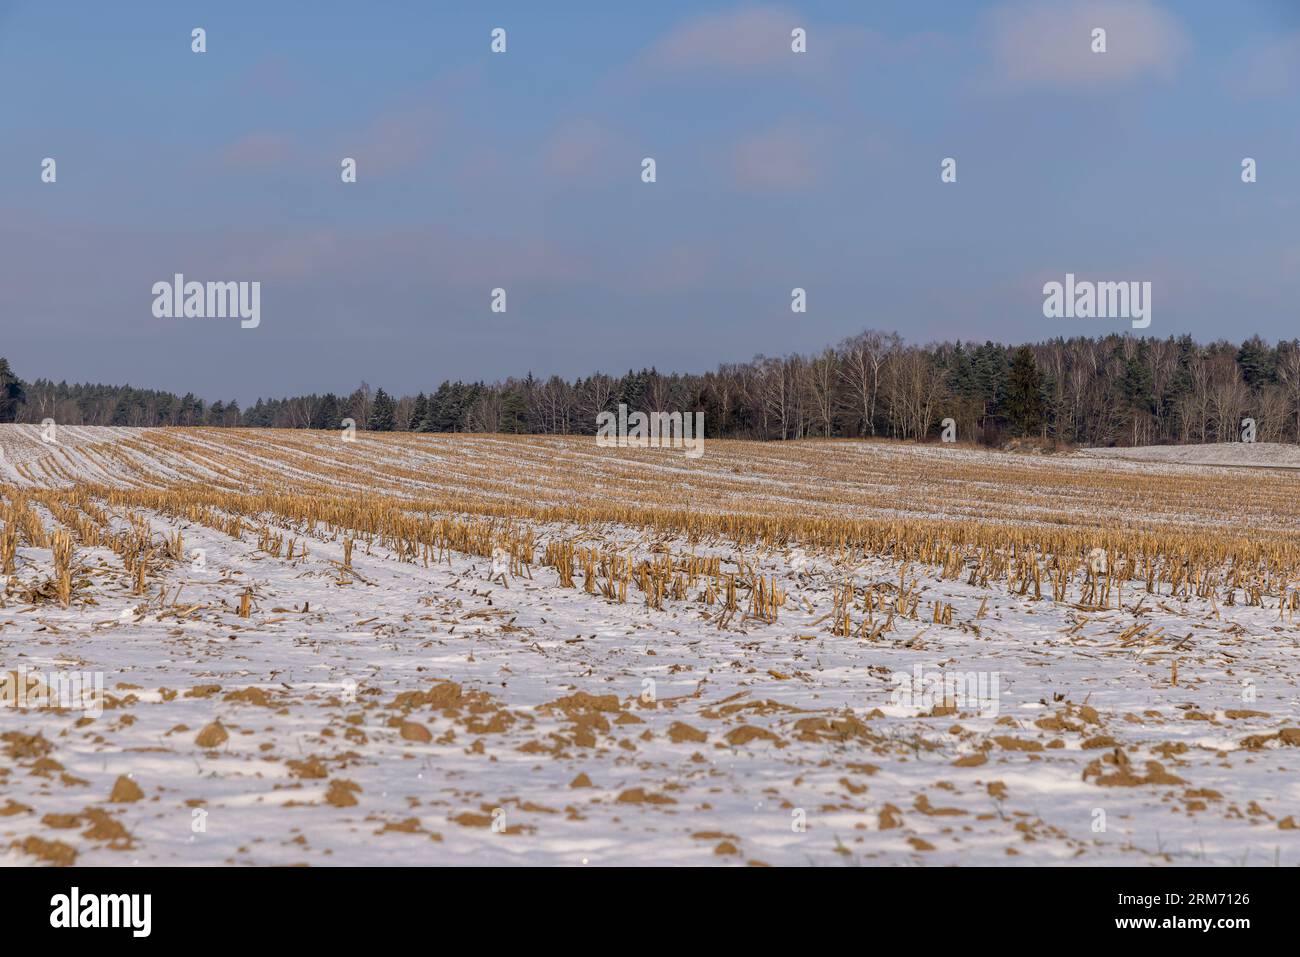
pixel 522 170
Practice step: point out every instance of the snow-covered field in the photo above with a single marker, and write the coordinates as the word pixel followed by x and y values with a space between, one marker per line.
pixel 22 444
pixel 1274 455
pixel 450 712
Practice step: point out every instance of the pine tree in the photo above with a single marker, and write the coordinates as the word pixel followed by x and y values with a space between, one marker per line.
pixel 1024 398
pixel 419 410
pixel 165 409
pixel 514 411
pixel 989 374
pixel 11 392
pixel 447 408
pixel 191 411
pixel 327 415
pixel 259 416
pixel 382 415
pixel 1258 363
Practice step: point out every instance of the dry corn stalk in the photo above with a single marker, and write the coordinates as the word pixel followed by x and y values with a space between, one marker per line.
pixel 61 543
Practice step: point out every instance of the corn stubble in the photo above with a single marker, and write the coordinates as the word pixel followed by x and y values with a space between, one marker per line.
pixel 582 538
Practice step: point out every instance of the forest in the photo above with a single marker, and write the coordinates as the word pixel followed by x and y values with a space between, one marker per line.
pixel 1111 390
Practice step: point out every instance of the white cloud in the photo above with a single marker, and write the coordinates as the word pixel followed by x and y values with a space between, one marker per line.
pixel 259 150
pixel 783 158
pixel 1268 68
pixel 1049 45
pixel 743 41
pixel 579 147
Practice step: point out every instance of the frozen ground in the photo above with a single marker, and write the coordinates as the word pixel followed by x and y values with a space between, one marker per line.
pixel 21 445
pixel 407 714
pixel 1275 455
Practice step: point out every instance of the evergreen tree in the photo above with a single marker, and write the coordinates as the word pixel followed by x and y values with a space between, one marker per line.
pixel 514 411
pixel 1137 387
pixel 124 407
pixel 419 411
pixel 435 418
pixel 1258 363
pixel 165 408
pixel 1024 397
pixel 326 414
pixel 447 407
pixel 989 377
pixel 259 416
pixel 382 415
pixel 12 393
pixel 630 390
pixel 191 410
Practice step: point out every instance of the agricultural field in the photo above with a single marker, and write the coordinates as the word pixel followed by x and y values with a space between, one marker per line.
pixel 479 649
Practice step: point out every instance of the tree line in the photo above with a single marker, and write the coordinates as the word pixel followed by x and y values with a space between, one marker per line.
pixel 1109 390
